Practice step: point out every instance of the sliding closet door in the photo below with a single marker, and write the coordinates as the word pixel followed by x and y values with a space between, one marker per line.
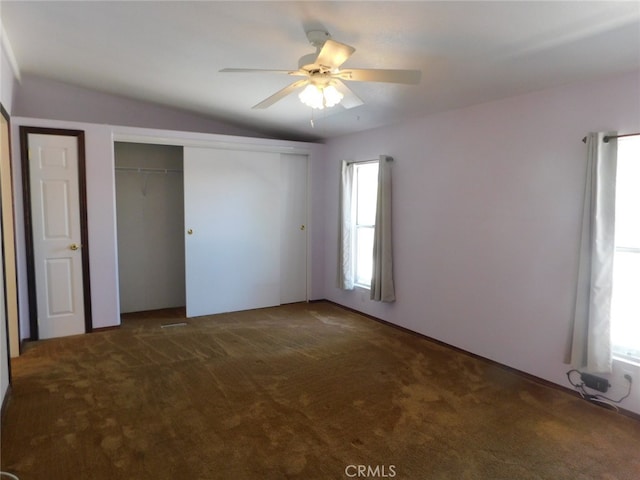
pixel 293 265
pixel 232 223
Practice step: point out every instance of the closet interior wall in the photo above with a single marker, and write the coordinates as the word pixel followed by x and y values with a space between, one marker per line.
pixel 150 222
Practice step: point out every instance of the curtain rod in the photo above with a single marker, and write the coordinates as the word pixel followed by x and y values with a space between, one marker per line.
pixel 349 162
pixel 609 137
pixel 361 162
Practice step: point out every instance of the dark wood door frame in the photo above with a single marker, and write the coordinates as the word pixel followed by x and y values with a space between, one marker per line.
pixel 28 223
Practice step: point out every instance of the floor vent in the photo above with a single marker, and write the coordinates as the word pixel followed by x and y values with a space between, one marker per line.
pixel 170 325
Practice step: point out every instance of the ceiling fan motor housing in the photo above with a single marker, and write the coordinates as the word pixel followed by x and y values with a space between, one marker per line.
pixel 317 37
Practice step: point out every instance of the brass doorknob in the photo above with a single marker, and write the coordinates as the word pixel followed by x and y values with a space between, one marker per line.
pixel 74 247
pixel 302 227
pixel 190 231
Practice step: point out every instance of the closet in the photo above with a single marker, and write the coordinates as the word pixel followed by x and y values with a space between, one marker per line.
pixel 215 229
pixel 150 221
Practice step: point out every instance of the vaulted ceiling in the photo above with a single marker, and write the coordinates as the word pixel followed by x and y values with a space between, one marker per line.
pixel 170 53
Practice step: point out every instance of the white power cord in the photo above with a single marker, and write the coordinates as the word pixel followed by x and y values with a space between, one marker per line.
pixel 10 475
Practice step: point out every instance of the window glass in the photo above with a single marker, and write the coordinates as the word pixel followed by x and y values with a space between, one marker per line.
pixel 628 193
pixel 364 255
pixel 625 304
pixel 367 192
pixel 366 186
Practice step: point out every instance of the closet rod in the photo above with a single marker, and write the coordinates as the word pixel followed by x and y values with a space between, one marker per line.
pixel 148 170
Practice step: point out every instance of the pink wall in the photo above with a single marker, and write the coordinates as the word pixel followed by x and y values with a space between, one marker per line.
pixel 43 98
pixel 487 217
pixel 7 80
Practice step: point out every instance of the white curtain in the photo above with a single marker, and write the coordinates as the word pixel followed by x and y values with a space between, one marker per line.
pixel 591 342
pixel 382 288
pixel 345 234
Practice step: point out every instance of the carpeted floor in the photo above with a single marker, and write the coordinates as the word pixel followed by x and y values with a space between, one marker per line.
pixel 304 391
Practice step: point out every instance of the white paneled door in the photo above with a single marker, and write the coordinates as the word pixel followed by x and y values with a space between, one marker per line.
pixel 232 230
pixel 56 233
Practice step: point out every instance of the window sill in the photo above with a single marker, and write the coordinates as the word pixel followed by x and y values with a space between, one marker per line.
pixel 627 359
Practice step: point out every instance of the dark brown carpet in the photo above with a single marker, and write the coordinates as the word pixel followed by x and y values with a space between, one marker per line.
pixel 294 392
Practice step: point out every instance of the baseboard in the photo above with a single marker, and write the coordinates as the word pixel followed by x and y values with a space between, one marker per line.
pixel 23 344
pixel 528 376
pixel 105 329
pixel 5 401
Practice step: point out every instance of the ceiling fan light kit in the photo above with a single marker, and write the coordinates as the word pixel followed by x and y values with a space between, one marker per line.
pixel 320 96
pixel 323 85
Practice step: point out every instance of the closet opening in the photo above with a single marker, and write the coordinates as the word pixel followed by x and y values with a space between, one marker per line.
pixel 150 223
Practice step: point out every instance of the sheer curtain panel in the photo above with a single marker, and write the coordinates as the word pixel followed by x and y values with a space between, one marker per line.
pixel 591 340
pixel 382 287
pixel 345 233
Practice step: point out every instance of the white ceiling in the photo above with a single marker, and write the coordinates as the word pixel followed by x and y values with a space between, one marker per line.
pixel 469 52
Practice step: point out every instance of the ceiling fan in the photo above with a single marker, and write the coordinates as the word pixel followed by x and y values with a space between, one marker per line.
pixel 323 77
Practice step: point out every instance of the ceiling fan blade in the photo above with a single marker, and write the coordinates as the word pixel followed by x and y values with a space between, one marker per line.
pixel 350 99
pixel 298 73
pixel 409 77
pixel 279 95
pixel 333 54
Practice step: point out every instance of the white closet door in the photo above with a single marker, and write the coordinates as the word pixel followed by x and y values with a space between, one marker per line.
pixel 293 286
pixel 232 223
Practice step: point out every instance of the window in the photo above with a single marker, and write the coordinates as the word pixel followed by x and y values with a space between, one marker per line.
pixel 625 303
pixel 365 191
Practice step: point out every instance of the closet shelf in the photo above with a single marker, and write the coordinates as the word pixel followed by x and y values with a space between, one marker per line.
pixel 148 170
